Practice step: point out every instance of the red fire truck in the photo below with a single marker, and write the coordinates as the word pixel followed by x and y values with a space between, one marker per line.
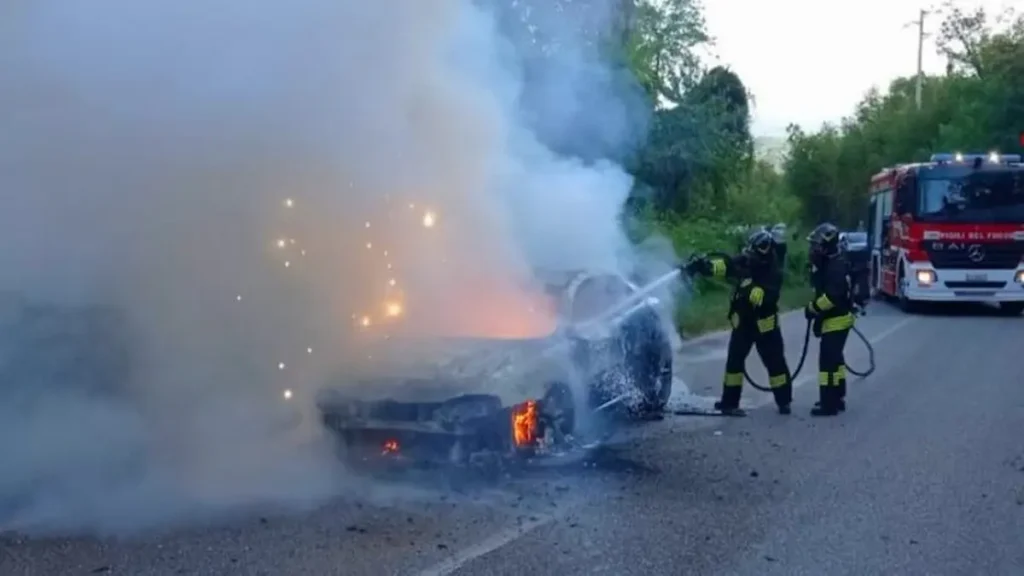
pixel 949 230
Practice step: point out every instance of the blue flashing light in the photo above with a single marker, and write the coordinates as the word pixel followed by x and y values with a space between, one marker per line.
pixel 990 158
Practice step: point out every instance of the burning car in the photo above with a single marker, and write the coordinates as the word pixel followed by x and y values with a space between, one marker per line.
pixel 455 399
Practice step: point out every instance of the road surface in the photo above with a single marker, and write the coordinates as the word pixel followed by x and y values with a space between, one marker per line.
pixel 923 475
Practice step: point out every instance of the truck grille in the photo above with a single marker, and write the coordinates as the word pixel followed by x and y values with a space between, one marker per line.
pixel 1001 256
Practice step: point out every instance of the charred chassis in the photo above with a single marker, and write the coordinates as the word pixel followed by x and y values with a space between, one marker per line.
pixel 622 366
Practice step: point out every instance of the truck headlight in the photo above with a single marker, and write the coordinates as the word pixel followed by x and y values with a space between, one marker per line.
pixel 1019 278
pixel 925 277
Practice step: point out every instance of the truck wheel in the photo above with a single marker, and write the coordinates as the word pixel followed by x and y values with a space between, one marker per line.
pixel 1011 308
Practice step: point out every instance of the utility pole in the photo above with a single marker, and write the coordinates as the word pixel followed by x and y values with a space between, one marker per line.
pixel 920 57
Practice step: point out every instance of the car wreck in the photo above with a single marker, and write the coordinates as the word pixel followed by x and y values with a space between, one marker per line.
pixel 462 400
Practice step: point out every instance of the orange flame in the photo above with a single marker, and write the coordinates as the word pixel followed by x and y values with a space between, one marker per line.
pixel 524 424
pixel 390 447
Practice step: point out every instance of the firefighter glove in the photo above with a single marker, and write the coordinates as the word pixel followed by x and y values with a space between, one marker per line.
pixel 697 265
pixel 756 296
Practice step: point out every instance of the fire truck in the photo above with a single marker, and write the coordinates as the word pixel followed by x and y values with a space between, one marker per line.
pixel 949 230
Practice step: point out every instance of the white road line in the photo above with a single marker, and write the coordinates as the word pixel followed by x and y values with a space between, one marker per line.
pixel 510 535
pixel 891 330
pixel 499 540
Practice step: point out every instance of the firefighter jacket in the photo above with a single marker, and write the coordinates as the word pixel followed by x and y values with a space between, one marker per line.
pixel 832 304
pixel 755 299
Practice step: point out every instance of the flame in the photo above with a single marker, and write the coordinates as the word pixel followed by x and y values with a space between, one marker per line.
pixel 524 424
pixel 390 447
pixel 480 310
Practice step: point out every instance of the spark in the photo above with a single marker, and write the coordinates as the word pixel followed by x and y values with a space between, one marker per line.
pixel 391 282
pixel 364 321
pixel 412 206
pixel 281 243
pixel 393 309
pixel 428 220
pixel 287 394
pixel 289 203
pixel 238 298
pixel 287 264
pixel 303 252
pixel 280 366
pixel 292 241
pixel 309 350
pixel 385 253
pixel 367 224
pixel 369 245
pixel 389 266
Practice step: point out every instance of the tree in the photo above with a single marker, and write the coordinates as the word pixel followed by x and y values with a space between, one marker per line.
pixel 978 105
pixel 662 48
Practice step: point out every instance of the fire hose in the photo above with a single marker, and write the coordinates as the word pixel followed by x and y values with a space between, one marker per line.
pixel 803 357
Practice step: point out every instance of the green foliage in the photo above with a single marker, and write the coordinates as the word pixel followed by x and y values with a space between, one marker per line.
pixel 976 107
pixel 662 48
pixel 697 180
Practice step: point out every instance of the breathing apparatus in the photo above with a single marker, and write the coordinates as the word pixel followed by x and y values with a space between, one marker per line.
pixel 856 276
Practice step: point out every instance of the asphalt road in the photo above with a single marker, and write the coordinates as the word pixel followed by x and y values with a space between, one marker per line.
pixel 924 474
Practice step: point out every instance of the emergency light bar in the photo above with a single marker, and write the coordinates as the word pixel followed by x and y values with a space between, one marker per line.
pixel 991 158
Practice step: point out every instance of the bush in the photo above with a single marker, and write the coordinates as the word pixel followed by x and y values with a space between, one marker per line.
pixel 705 307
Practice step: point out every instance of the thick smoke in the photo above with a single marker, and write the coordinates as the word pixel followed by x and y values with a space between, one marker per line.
pixel 152 155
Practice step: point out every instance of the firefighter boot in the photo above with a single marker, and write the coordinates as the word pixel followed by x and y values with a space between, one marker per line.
pixel 730 402
pixel 828 405
pixel 782 390
pixel 841 397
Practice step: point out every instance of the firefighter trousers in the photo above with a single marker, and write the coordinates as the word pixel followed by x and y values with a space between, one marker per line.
pixel 832 363
pixel 767 337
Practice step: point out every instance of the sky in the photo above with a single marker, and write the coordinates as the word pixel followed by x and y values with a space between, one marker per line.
pixel 808 62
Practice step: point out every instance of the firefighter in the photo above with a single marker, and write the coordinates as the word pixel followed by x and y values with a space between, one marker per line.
pixel 831 311
pixel 753 313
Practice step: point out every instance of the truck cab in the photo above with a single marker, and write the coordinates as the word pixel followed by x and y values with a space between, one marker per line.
pixel 949 230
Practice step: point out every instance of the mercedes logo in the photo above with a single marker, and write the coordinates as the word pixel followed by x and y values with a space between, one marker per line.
pixel 976 253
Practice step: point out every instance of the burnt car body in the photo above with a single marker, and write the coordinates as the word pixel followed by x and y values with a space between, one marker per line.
pixel 455 400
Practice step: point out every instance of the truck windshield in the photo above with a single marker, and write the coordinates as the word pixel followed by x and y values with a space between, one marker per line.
pixel 984 196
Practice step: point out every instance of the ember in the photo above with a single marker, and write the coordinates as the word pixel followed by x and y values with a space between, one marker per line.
pixel 390 447
pixel 524 424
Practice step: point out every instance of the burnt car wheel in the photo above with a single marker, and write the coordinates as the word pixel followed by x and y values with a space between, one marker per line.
pixel 649 362
pixel 558 414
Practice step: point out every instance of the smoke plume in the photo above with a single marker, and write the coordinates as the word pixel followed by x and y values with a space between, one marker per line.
pixel 207 204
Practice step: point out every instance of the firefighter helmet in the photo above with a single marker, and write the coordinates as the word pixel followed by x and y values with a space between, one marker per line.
pixel 759 245
pixel 824 240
